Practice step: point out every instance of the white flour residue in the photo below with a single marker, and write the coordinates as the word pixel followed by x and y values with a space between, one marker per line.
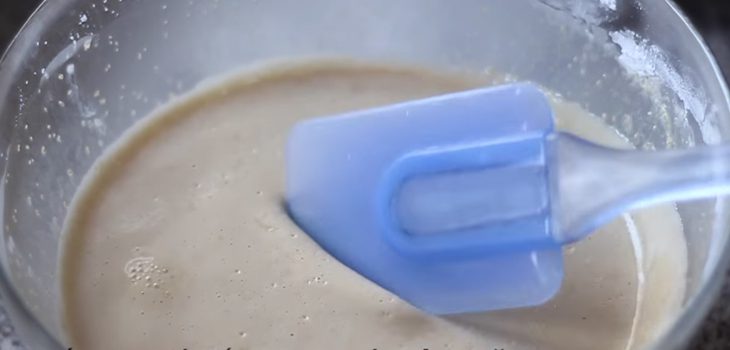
pixel 644 60
pixel 610 4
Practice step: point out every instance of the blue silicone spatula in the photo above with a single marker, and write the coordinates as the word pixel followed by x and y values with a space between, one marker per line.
pixel 461 202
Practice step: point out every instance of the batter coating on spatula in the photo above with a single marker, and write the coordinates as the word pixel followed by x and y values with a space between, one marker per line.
pixel 179 239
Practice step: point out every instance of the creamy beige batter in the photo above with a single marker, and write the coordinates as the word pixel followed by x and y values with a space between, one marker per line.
pixel 179 241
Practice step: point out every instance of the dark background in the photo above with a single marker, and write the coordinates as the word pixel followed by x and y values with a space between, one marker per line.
pixel 711 17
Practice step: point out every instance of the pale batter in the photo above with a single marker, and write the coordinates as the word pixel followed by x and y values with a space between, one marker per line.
pixel 179 240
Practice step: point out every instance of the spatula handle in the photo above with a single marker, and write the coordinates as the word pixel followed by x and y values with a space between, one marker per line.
pixel 593 184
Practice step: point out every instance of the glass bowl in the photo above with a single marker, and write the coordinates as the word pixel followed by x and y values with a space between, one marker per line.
pixel 81 72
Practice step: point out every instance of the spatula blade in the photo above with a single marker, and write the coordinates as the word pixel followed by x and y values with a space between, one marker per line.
pixel 338 171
